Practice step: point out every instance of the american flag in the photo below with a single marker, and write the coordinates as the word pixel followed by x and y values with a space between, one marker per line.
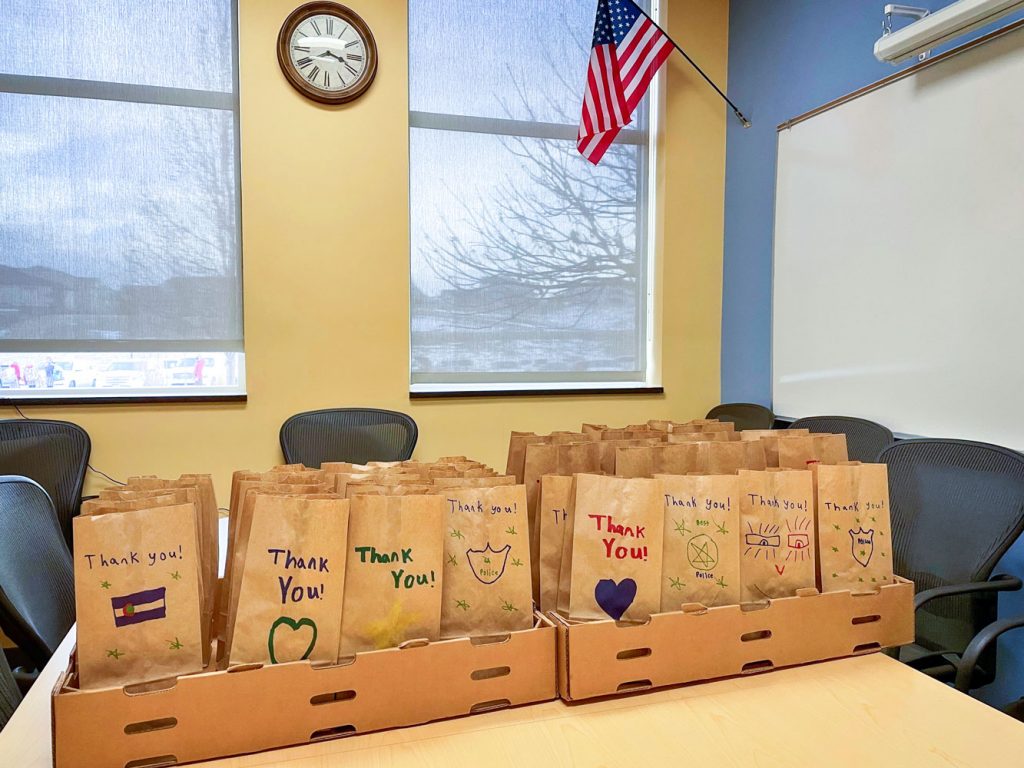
pixel 627 51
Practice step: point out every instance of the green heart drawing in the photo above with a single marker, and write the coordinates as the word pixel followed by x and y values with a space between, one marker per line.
pixel 295 626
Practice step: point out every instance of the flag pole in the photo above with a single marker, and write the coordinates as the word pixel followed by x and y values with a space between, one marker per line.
pixel 735 110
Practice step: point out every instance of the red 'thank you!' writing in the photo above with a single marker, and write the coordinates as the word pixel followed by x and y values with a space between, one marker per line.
pixel 620 552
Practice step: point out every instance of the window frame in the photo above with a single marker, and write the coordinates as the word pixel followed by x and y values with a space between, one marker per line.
pixel 645 381
pixel 111 91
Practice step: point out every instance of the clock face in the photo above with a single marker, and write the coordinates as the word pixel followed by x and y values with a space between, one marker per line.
pixel 328 52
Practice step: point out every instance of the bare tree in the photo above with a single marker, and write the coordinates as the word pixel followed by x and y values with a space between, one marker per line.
pixel 560 229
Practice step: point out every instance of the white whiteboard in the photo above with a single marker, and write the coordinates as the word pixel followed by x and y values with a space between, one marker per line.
pixel 898 291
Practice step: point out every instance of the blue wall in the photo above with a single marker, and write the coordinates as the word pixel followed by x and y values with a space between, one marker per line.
pixel 785 58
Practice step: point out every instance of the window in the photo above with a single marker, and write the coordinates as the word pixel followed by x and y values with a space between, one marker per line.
pixel 120 265
pixel 529 266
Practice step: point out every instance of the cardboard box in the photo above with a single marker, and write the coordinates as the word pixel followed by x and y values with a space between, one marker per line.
pixel 604 658
pixel 254 708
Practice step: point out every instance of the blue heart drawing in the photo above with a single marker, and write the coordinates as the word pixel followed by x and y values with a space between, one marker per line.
pixel 614 598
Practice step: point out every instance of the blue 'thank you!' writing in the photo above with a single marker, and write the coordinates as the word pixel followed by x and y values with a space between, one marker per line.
pixel 138 607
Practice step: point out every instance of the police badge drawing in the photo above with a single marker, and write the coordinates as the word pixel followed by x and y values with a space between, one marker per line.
pixel 486 587
pixel 853 527
pixel 137 603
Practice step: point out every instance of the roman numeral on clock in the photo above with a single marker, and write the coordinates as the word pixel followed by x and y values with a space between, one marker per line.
pixel 312 74
pixel 354 56
pixel 304 62
pixel 349 68
pixel 330 26
pixel 316 27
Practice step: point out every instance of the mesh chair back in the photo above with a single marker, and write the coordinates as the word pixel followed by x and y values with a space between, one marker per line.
pixel 54 454
pixel 37 585
pixel 864 439
pixel 957 506
pixel 357 435
pixel 744 415
pixel 10 695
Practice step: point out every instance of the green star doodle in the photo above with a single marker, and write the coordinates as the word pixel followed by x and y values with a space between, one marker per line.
pixel 452 560
pixel 176 576
pixel 721 582
pixel 874 519
pixel 863 553
pixel 675 582
pixel 873 578
pixel 835 549
pixel 115 654
pixel 836 526
pixel 721 529
pixel 883 554
pixel 176 645
pixel 511 530
pixel 856 519
pixel 507 606
pixel 456 534
pixel 104 585
pixel 860 578
pixel 516 561
pixel 835 575
pixel 462 604
pixel 681 528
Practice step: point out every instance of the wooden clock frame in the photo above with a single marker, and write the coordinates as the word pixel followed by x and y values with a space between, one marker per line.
pixel 299 15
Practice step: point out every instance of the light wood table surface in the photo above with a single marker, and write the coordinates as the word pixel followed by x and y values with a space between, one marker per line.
pixel 858 712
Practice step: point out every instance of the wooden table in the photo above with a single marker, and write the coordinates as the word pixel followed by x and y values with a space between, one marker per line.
pixel 858 712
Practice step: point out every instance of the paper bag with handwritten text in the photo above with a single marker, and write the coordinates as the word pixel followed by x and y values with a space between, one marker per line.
pixel 486 587
pixel 701 562
pixel 553 513
pixel 777 525
pixel 394 571
pixel 616 549
pixel 137 596
pixel 854 530
pixel 292 581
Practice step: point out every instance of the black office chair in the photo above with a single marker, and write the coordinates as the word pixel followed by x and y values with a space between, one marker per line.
pixel 864 439
pixel 53 453
pixel 957 506
pixel 744 415
pixel 37 583
pixel 356 435
pixel 10 694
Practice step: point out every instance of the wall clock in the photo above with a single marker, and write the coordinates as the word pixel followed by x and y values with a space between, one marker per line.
pixel 327 52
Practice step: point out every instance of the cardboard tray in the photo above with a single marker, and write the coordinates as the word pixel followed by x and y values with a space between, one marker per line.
pixel 254 708
pixel 604 658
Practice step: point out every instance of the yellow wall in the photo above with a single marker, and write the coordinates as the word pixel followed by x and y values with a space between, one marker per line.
pixel 327 275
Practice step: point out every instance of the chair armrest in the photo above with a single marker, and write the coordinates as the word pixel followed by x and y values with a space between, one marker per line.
pixel 977 646
pixel 999 583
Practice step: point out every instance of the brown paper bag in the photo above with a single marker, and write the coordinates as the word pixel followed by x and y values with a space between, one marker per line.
pixel 552 459
pixel 137 596
pixel 209 536
pixel 486 587
pixel 292 581
pixel 617 548
pixel 701 561
pixel 757 434
pixel 777 523
pixel 517 443
pixel 555 491
pixel 698 437
pixel 854 529
pixel 728 458
pixel 646 461
pixel 393 575
pixel 473 482
pixel 797 453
